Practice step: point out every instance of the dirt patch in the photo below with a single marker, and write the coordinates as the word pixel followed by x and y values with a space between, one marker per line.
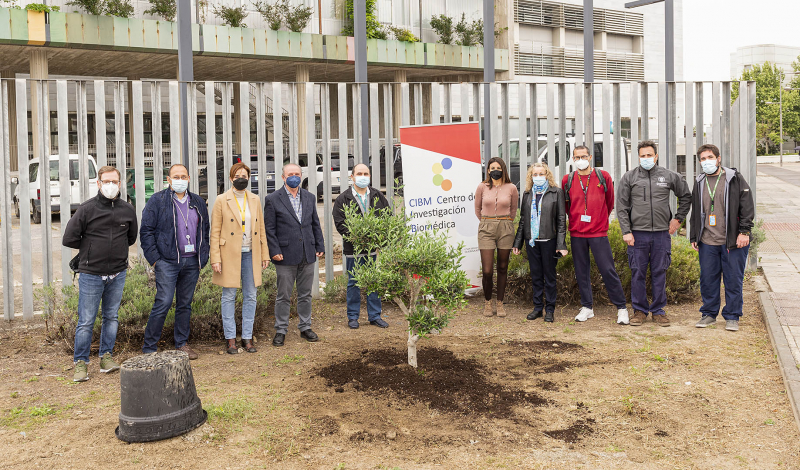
pixel 446 383
pixel 547 346
pixel 574 433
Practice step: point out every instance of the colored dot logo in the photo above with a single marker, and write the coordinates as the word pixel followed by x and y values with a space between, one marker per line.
pixel 438 179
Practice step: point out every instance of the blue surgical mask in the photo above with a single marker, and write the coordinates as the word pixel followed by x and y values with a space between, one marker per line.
pixel 293 181
pixel 539 181
pixel 179 186
pixel 362 181
pixel 709 166
pixel 647 163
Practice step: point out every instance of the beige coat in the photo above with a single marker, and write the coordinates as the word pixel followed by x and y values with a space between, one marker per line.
pixel 226 239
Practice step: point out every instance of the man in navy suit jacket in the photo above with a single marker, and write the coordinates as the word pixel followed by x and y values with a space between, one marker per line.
pixel 295 242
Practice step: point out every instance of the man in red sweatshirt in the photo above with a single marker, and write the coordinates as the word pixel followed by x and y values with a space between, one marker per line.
pixel 590 199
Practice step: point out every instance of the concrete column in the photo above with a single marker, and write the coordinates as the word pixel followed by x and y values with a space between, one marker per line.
pixel 302 76
pixel 638 44
pixel 12 116
pixel 559 37
pixel 504 17
pixel 237 101
pixel 400 76
pixel 38 70
pixel 600 41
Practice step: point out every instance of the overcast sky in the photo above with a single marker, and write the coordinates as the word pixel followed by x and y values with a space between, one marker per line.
pixel 714 28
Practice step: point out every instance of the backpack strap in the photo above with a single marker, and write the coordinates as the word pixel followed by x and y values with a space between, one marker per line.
pixel 602 179
pixel 567 188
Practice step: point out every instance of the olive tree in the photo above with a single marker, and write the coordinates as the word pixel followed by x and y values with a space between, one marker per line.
pixel 420 272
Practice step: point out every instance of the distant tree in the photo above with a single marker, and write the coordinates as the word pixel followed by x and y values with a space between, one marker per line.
pixel 443 26
pixel 166 9
pixel 119 8
pixel 92 7
pixel 272 13
pixel 231 16
pixel 297 17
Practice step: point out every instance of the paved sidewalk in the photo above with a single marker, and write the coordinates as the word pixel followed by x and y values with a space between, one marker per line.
pixel 778 205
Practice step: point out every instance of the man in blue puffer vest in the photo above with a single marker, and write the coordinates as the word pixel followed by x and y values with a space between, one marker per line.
pixel 174 238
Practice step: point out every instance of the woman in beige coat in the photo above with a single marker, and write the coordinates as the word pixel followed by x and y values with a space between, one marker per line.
pixel 238 250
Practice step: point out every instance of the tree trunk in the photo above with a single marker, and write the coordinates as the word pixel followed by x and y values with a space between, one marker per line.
pixel 412 350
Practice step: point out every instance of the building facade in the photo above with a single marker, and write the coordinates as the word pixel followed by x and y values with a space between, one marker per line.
pixel 746 57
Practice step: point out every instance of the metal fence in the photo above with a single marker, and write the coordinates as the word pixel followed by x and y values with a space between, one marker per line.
pixel 676 114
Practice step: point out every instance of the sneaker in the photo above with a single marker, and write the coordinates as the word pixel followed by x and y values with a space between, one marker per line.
pixel 501 311
pixel 638 318
pixel 705 321
pixel 107 364
pixel 585 314
pixel 379 323
pixel 622 316
pixel 661 320
pixel 732 325
pixel 81 372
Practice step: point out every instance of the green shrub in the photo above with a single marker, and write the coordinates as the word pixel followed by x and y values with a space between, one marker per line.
pixel 231 16
pixel 403 34
pixel 119 8
pixel 374 28
pixel 272 13
pixel 41 7
pixel 336 290
pixel 92 7
pixel 137 301
pixel 296 17
pixel 443 26
pixel 683 275
pixel 166 9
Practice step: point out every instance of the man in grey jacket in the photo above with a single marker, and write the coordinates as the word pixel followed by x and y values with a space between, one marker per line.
pixel 646 221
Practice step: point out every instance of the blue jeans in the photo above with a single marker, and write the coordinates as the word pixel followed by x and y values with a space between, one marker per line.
pixel 173 280
pixel 91 290
pixel 248 302
pixel 716 262
pixel 354 294
pixel 654 249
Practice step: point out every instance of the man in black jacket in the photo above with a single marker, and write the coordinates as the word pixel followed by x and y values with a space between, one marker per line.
pixel 721 222
pixel 364 197
pixel 102 229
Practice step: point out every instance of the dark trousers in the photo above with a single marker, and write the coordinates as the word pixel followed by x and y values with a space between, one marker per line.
pixel 542 261
pixel 718 262
pixel 288 275
pixel 604 259
pixel 653 249
pixel 178 281
pixel 354 293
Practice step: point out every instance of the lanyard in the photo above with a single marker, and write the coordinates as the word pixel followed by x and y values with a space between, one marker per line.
pixel 242 211
pixel 710 193
pixel 585 191
pixel 362 202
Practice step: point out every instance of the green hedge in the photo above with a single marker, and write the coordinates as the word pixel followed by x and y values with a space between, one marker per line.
pixel 683 275
pixel 137 301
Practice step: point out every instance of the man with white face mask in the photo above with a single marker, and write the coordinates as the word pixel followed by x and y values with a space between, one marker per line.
pixel 364 197
pixel 589 194
pixel 721 222
pixel 102 229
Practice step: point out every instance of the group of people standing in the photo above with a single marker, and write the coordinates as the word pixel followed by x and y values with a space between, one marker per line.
pixel 720 231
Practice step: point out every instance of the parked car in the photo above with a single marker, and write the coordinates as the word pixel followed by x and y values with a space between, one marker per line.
pixel 34 189
pixel 149 183
pixel 336 175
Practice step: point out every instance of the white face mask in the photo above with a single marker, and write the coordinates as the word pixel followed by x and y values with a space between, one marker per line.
pixel 709 166
pixel 109 190
pixel 582 164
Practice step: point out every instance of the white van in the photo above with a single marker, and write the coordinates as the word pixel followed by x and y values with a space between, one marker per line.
pixel 34 193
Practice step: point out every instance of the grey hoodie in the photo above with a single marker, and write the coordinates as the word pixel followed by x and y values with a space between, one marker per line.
pixel 643 199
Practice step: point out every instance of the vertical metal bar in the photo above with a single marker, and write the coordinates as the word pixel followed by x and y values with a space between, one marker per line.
pixel 579 115
pixel 211 144
pixel 504 133
pixel 192 147
pixel 277 130
pixel 744 115
pixel 120 152
pixel 24 200
pixel 243 126
pixel 619 161
pixel 534 107
pixel 716 131
pixel 100 122
pixel 672 126
pixel 227 140
pixel 645 112
pixel 261 141
pixel 185 75
pixel 488 41
pixel 634 92
pixel 492 119
pixel 689 152
pixel 662 126
pixel 448 102
pixel 562 131
pixel 344 146
pixel 522 135
pixel 418 121
pixel 5 206
pixel 436 109
pixel 158 151
pixel 405 112
pixel 725 128
pixel 464 95
pixel 311 145
pixel 137 119
pixel 608 155
pixel 325 122
pixel 174 123
pixel 669 40
pixel 551 124
pixel 588 118
pixel 699 111
pixel 588 42
pixel 476 102
pixel 83 140
pixel 388 131
pixel 358 151
pixel 42 90
pixel 375 141
pixel 750 156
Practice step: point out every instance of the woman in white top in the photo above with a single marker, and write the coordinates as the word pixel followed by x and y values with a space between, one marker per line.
pixel 238 254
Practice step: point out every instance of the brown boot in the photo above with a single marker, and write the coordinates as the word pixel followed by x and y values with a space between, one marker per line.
pixel 638 318
pixel 661 320
pixel 501 311
pixel 487 308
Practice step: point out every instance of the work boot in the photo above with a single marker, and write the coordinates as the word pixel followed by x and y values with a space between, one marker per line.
pixel 501 311
pixel 638 318
pixel 661 320
pixel 487 308
pixel 81 372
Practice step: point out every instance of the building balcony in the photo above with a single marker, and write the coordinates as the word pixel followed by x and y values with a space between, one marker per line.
pixel 560 15
pixel 561 62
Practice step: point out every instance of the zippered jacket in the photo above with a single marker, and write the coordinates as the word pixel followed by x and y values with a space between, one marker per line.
pixel 552 223
pixel 376 200
pixel 102 229
pixel 739 208
pixel 643 199
pixel 159 234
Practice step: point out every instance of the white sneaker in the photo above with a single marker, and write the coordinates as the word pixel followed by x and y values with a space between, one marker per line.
pixel 622 316
pixel 585 314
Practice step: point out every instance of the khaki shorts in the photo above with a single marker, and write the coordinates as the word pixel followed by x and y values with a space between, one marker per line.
pixel 495 234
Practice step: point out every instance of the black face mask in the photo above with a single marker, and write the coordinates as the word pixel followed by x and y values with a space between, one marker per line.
pixel 496 174
pixel 240 184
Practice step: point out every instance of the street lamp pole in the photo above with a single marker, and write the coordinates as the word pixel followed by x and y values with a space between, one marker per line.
pixel 669 34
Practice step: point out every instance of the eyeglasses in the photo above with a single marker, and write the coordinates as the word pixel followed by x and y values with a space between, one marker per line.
pixel 180 177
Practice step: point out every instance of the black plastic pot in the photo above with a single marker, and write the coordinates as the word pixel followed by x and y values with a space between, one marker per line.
pixel 158 398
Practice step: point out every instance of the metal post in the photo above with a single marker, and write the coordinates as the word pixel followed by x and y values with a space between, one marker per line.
pixel 780 119
pixel 185 72
pixel 669 40
pixel 488 76
pixel 588 42
pixel 360 31
pixel 24 202
pixel 5 205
